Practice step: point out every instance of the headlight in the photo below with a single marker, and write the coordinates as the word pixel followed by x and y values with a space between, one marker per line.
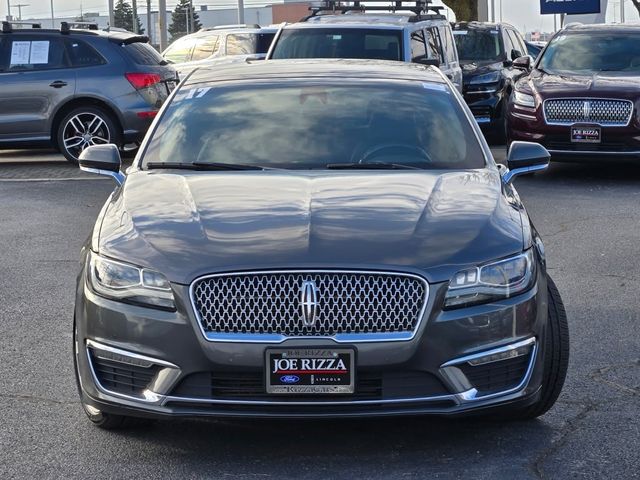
pixel 492 77
pixel 524 99
pixel 126 283
pixel 493 281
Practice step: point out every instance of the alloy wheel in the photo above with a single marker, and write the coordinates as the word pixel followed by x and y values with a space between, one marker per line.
pixel 83 130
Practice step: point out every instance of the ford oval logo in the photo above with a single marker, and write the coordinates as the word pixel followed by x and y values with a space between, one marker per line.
pixel 289 379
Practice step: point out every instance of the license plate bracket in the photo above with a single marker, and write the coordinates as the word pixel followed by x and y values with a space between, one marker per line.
pixel 310 370
pixel 585 133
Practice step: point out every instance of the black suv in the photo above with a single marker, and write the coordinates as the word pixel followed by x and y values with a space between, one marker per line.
pixel 487 52
pixel 75 88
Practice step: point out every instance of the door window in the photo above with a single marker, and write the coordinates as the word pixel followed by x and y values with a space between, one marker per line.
pixel 517 42
pixel 205 47
pixel 447 45
pixel 418 46
pixel 81 54
pixel 241 44
pixel 5 53
pixel 433 43
pixel 33 53
pixel 180 50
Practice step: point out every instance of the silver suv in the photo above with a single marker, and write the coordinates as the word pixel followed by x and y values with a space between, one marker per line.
pixel 216 44
pixel 407 33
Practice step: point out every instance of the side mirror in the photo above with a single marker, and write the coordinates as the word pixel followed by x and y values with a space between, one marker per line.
pixel 103 160
pixel 525 157
pixel 522 63
pixel 515 54
pixel 429 61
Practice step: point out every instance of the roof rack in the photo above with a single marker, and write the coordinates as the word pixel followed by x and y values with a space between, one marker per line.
pixel 7 26
pixel 66 26
pixel 225 27
pixel 418 7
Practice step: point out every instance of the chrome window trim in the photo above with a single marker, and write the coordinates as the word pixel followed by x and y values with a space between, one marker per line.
pixel 338 338
pixel 569 123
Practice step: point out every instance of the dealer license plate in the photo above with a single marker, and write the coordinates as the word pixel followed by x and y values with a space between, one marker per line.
pixel 325 371
pixel 585 134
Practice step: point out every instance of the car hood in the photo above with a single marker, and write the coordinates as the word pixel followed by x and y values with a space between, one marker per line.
pixel 188 224
pixel 471 69
pixel 604 84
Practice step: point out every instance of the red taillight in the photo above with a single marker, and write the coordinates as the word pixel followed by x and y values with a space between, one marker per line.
pixel 142 80
pixel 149 114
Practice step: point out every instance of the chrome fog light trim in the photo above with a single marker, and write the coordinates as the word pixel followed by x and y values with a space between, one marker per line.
pixel 161 384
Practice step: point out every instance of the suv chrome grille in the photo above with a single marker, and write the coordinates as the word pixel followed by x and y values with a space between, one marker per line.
pixel 282 304
pixel 567 111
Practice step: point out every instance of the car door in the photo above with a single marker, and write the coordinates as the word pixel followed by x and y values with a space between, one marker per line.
pixel 451 66
pixel 35 77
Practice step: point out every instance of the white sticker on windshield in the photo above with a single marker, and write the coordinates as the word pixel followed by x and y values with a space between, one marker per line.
pixel 435 86
pixel 197 92
pixel 460 32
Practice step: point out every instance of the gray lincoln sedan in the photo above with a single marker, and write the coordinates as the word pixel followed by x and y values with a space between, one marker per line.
pixel 316 239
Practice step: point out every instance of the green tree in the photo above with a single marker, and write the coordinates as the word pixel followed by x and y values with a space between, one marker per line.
pixel 465 10
pixel 178 26
pixel 123 17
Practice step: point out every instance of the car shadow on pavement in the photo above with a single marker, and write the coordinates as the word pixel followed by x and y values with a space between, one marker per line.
pixel 372 446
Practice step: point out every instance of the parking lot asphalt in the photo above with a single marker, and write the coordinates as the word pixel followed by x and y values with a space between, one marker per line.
pixel 588 215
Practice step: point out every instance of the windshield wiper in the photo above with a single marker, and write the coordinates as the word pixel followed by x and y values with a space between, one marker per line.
pixel 204 166
pixel 370 166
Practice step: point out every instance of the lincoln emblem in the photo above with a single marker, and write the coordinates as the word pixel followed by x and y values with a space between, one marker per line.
pixel 309 302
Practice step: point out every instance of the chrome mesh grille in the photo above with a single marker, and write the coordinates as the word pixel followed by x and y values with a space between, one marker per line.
pixel 348 303
pixel 576 110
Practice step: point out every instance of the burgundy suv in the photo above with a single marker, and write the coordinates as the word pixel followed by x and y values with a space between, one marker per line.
pixel 581 99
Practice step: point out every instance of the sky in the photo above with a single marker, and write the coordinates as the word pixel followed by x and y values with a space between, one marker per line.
pixel 523 14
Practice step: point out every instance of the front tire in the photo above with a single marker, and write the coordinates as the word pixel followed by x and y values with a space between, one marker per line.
pixel 83 127
pixel 556 356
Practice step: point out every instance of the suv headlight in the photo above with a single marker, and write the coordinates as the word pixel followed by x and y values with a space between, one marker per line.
pixel 130 284
pixel 492 281
pixel 492 77
pixel 524 99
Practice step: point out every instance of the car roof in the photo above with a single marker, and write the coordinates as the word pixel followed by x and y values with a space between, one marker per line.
pixel 318 68
pixel 218 31
pixel 481 25
pixel 358 20
pixel 602 27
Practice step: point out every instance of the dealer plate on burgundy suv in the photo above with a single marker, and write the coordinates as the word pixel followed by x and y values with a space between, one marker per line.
pixel 586 133
pixel 310 370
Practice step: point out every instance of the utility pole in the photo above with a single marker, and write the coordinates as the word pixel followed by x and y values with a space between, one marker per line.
pixel 162 23
pixel 53 18
pixel 134 8
pixel 240 11
pixel 20 5
pixel 149 19
pixel 9 10
pixel 191 19
pixel 621 11
pixel 110 13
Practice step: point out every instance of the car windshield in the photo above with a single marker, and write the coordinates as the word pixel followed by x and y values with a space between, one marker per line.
pixel 478 45
pixel 589 52
pixel 307 124
pixel 339 43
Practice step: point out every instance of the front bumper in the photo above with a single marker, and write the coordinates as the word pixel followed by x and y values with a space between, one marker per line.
pixel 487 106
pixel 617 142
pixel 164 358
